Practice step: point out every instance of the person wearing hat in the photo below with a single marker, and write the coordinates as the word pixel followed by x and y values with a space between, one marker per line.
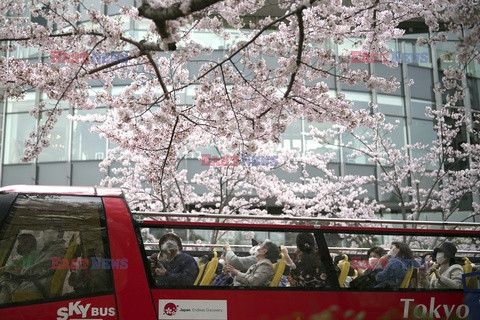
pixel 448 274
pixel 170 266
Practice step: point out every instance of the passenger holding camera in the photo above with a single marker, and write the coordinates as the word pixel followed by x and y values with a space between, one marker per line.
pixel 446 274
pixel 170 266
pixel 261 273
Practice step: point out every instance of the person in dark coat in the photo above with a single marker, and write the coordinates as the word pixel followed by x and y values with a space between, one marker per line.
pixel 367 279
pixel 173 267
pixel 308 270
pixel 400 259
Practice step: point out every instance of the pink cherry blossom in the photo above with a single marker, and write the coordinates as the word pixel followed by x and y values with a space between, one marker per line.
pixel 183 95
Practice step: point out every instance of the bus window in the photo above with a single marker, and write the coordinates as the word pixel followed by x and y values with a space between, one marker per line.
pixel 53 247
pixel 301 265
pixel 347 246
pixel 389 262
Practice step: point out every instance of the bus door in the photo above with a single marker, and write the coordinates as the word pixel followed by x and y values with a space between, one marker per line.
pixel 55 259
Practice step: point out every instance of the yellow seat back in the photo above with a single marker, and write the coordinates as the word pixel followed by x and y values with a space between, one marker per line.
pixel 210 270
pixel 406 281
pixel 278 269
pixel 19 296
pixel 467 268
pixel 344 266
pixel 59 276
pixel 201 270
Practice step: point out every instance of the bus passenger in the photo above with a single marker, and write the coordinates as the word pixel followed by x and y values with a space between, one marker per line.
pixel 307 270
pixel 221 278
pixel 400 258
pixel 288 261
pixel 35 280
pixel 367 279
pixel 448 275
pixel 423 277
pixel 289 265
pixel 90 279
pixel 261 273
pixel 173 267
pixel 27 249
pixel 240 263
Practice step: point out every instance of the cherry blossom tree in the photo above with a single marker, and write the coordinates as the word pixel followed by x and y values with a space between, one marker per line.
pixel 421 177
pixel 438 176
pixel 274 70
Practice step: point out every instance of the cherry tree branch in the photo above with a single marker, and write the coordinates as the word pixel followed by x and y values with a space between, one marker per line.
pixel 301 39
pixel 230 103
pixel 170 143
pixel 160 16
pixel 159 76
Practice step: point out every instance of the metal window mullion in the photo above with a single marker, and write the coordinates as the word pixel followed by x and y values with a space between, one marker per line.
pixel 337 91
pixel 407 108
pixel 468 113
pixel 377 171
pixel 35 160
pixel 4 123
pixel 71 111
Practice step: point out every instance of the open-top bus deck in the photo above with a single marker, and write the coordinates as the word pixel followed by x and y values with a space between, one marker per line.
pixel 102 269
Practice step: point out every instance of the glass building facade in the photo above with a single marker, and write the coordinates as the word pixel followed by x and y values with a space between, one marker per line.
pixel 74 153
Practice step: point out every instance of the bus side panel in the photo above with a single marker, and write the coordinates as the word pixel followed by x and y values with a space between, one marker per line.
pixel 302 305
pixel 131 287
pixel 102 307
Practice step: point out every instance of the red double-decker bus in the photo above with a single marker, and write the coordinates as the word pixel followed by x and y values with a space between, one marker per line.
pixel 79 253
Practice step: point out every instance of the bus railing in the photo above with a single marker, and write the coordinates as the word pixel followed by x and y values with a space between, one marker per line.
pixel 210 246
pixel 285 218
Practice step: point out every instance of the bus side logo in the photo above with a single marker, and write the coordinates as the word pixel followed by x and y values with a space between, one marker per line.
pixel 192 309
pixel 434 310
pixel 84 311
pixel 170 309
